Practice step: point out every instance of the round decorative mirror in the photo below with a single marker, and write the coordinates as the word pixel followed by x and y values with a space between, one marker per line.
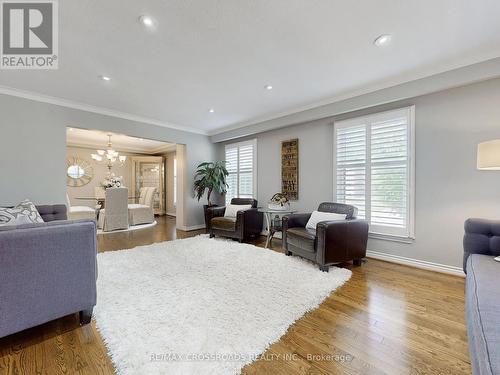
pixel 79 172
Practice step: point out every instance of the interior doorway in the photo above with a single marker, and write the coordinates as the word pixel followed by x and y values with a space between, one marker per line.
pixel 94 158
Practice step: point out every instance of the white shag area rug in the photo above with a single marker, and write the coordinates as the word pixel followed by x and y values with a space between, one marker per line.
pixel 200 305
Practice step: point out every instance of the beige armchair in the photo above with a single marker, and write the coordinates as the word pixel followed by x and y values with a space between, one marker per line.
pixel 115 215
pixel 79 212
pixel 143 212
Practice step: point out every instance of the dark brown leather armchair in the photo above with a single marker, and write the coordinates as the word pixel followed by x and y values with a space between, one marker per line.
pixel 332 241
pixel 246 224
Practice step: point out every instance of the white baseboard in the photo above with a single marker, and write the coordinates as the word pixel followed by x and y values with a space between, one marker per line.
pixel 193 227
pixel 452 270
pixel 172 214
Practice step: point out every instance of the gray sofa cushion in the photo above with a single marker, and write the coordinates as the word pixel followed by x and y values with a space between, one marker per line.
pixel 52 212
pixel 482 236
pixel 483 313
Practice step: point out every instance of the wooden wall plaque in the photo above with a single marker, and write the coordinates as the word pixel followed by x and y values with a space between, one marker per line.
pixel 290 169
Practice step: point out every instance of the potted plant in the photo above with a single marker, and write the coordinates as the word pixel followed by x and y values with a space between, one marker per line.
pixel 210 177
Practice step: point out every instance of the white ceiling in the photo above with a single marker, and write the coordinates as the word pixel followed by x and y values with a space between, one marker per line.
pixel 220 53
pixel 99 140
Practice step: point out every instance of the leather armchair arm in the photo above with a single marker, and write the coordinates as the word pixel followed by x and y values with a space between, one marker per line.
pixel 214 212
pixel 292 221
pixel 340 241
pixel 250 220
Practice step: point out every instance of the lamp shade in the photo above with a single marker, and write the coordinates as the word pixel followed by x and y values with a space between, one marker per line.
pixel 488 155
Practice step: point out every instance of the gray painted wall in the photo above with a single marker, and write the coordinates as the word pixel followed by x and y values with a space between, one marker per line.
pixel 33 150
pixel 449 189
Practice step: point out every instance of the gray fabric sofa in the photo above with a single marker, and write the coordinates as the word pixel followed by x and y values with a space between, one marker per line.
pixel 481 245
pixel 47 270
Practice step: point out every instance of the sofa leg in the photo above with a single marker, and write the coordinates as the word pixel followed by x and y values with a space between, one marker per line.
pixel 288 253
pixel 211 235
pixel 240 240
pixel 85 316
pixel 357 262
pixel 324 268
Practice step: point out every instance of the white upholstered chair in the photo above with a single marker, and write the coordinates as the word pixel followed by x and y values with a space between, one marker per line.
pixel 115 215
pixel 143 212
pixel 100 195
pixel 79 212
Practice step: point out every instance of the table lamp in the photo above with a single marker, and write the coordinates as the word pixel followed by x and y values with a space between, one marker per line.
pixel 488 155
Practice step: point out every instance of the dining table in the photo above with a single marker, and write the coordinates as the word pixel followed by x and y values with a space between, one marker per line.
pixel 101 201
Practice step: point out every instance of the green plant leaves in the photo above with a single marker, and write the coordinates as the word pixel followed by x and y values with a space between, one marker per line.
pixel 210 176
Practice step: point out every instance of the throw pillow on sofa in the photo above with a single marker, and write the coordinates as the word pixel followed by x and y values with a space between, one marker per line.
pixel 232 209
pixel 24 213
pixel 318 216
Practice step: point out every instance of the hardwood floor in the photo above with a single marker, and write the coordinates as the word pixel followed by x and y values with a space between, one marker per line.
pixel 388 319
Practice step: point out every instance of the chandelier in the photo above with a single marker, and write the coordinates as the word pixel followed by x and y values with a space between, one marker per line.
pixel 109 156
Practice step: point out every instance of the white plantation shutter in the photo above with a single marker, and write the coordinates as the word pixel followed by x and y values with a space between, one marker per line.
pixel 374 169
pixel 241 165
pixel 351 167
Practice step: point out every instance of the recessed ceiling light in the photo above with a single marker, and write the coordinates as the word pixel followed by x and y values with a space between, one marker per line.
pixel 105 78
pixel 211 110
pixel 147 21
pixel 268 87
pixel 382 40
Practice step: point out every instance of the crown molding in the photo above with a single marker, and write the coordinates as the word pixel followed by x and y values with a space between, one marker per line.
pixel 30 95
pixel 164 149
pixel 384 92
pixel 133 150
pixel 100 146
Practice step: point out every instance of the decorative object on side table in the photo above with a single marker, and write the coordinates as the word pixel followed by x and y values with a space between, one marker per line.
pixel 290 169
pixel 274 222
pixel 210 176
pixel 279 202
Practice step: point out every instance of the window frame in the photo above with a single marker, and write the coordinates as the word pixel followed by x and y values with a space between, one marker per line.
pixel 367 120
pixel 237 145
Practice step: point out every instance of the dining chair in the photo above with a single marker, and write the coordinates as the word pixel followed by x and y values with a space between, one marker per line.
pixel 99 192
pixel 143 212
pixel 79 212
pixel 100 195
pixel 115 215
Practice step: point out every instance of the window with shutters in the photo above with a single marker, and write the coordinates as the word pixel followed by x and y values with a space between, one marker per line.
pixel 241 163
pixel 374 169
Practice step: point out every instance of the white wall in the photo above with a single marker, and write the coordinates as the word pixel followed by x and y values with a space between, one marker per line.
pixel 449 189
